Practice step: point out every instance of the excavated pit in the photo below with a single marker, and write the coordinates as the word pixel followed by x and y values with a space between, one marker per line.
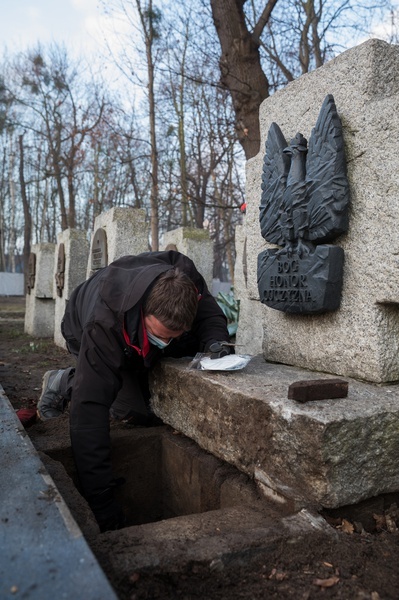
pixel 185 509
pixel 166 474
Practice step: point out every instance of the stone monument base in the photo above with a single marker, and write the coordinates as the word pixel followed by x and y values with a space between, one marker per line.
pixel 327 453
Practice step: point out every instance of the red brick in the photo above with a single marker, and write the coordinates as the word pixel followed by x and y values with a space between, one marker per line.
pixel 317 389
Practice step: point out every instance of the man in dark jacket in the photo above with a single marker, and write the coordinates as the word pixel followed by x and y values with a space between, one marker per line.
pixel 118 324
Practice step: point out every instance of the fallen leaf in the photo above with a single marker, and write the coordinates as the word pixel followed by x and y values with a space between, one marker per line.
pixel 391 524
pixel 347 526
pixel 277 575
pixel 380 522
pixel 326 583
pixel 272 574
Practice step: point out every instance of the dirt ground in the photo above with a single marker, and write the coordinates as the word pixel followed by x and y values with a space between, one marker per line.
pixel 357 564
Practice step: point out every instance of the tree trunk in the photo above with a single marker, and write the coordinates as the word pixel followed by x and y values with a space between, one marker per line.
pixel 2 201
pixel 71 199
pixel 147 17
pixel 25 204
pixel 241 70
pixel 154 156
pixel 11 247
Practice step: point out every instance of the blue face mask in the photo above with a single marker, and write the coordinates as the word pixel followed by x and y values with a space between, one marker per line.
pixel 155 341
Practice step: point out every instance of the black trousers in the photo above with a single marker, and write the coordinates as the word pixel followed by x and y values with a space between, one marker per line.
pixel 132 402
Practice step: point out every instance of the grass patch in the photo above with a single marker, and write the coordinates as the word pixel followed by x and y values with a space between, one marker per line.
pixel 12 333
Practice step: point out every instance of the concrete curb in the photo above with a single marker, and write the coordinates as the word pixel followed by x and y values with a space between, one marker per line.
pixel 43 552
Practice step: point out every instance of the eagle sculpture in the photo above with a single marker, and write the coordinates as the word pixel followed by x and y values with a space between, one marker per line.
pixel 304 207
pixel 305 191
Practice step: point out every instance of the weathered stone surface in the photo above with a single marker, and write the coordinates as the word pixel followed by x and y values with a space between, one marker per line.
pixel 361 339
pixel 126 233
pixel 197 245
pixel 326 453
pixel 218 538
pixel 39 313
pixel 250 331
pixel 75 249
pixel 43 551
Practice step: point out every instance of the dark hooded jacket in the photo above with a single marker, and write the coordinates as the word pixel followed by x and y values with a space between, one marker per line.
pixel 103 327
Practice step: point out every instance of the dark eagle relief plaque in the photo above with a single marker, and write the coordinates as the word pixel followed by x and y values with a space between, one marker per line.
pixel 304 207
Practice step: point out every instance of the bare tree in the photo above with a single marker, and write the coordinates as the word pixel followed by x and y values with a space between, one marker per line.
pixel 267 43
pixel 144 19
pixel 240 66
pixel 61 111
pixel 25 204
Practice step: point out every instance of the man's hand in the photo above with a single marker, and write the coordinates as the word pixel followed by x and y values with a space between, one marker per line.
pixel 220 349
pixel 108 512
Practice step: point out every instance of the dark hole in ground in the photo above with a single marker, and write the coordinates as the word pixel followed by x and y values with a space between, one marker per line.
pixel 167 475
pixel 373 515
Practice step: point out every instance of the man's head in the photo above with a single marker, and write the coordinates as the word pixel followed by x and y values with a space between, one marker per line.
pixel 171 305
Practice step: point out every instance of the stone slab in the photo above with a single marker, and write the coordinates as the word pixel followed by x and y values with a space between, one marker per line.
pixel 75 248
pixel 361 338
pixel 217 538
pixel 39 312
pixel 43 553
pixel 126 232
pixel 325 453
pixel 197 245
pixel 250 328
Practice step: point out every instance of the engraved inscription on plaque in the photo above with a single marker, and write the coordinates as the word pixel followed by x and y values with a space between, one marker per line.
pixel 304 207
pixel 31 272
pixel 60 274
pixel 99 252
pixel 302 285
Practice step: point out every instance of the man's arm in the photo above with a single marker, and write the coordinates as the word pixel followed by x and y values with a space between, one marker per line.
pixel 210 323
pixel 95 386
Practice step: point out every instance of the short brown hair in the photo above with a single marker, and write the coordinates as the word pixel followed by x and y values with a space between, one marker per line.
pixel 173 300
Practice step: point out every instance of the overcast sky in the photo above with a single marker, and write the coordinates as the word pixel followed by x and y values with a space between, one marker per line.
pixel 25 22
pixel 77 23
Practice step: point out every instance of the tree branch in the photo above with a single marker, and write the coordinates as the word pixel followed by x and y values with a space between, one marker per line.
pixel 263 20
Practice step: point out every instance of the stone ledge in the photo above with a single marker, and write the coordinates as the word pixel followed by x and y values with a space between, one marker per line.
pixel 217 538
pixel 47 555
pixel 325 453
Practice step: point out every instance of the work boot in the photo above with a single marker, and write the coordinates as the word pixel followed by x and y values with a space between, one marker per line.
pixel 51 404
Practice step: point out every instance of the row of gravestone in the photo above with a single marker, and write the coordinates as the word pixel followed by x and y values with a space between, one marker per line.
pixel 56 269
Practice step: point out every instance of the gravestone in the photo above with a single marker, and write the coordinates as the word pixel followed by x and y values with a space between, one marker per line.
pixel 39 311
pixel 360 337
pixel 118 232
pixel 250 341
pixel 69 270
pixel 196 244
